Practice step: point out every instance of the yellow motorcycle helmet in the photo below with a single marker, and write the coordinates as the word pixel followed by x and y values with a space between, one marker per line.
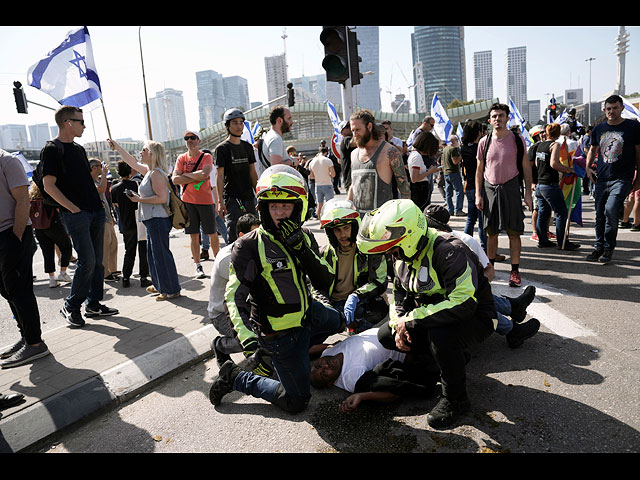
pixel 397 223
pixel 281 183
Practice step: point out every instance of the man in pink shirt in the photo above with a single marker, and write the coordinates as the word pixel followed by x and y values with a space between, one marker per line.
pixel 192 172
pixel 498 187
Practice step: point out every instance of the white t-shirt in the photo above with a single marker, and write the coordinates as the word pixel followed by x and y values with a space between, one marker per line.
pixel 415 161
pixel 219 279
pixel 474 245
pixel 320 166
pixel 361 353
pixel 272 145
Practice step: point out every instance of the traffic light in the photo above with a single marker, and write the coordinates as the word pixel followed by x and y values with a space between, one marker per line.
pixel 336 55
pixel 21 99
pixel 354 59
pixel 553 109
pixel 291 96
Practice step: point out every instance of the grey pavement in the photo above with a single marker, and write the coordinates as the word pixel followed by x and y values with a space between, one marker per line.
pixel 112 359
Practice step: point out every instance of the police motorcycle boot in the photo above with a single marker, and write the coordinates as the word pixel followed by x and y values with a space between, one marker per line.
pixel 221 357
pixel 519 304
pixel 223 384
pixel 522 331
pixel 446 412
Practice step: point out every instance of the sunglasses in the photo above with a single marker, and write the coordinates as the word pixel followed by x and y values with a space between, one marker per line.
pixel 77 120
pixel 190 137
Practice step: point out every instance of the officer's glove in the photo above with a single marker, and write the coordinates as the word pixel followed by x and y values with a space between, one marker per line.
pixel 249 346
pixel 260 363
pixel 350 308
pixel 292 235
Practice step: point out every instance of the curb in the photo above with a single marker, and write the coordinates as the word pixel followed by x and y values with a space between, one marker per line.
pixel 115 385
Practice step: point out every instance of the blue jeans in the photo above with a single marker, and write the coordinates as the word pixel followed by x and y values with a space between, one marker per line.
pixel 550 197
pixel 503 307
pixel 473 215
pixel 162 267
pixel 453 182
pixel 86 229
pixel 609 203
pixel 290 351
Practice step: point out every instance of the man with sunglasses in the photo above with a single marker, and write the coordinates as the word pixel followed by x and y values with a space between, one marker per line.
pixel 192 171
pixel 66 176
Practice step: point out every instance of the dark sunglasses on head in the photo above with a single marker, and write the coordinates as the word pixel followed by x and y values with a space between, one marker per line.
pixel 190 137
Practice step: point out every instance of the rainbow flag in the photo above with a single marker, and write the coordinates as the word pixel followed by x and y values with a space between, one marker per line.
pixel 571 156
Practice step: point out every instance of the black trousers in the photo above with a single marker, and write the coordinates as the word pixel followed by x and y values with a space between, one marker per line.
pixel 56 234
pixel 16 282
pixel 131 243
pixel 447 345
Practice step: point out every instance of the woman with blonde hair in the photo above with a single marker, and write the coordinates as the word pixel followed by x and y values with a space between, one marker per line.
pixel 153 197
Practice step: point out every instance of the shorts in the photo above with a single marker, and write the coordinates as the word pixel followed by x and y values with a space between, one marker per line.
pixel 324 193
pixel 204 215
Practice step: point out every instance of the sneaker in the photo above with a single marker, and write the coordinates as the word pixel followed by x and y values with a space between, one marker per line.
pixel 64 277
pixel 521 331
pixel 625 225
pixel 635 228
pixel 53 283
pixel 28 353
pixel 606 256
pixel 552 235
pixel 570 246
pixel 204 255
pixel 547 244
pixel 223 384
pixel 165 296
pixel 126 283
pixel 445 412
pixel 460 214
pixel 519 304
pixel 200 271
pixel 514 279
pixel 594 256
pixel 111 278
pixel 145 282
pixel 74 318
pixel 534 237
pixel 99 310
pixel 12 349
pixel 221 357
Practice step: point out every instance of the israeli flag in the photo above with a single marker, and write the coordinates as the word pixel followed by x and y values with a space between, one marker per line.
pixel 629 110
pixel 28 169
pixel 459 132
pixel 443 125
pixel 333 116
pixel 249 134
pixel 562 118
pixel 515 117
pixel 68 72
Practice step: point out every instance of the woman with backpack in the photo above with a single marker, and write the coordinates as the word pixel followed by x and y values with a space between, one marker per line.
pixel 153 198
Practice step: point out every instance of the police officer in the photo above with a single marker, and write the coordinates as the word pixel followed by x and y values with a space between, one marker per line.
pixel 442 301
pixel 360 281
pixel 269 300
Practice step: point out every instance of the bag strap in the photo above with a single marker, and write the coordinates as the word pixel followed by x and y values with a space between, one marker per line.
pixel 263 159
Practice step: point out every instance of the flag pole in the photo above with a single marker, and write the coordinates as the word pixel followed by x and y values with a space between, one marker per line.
pixel 566 228
pixel 105 117
pixel 144 83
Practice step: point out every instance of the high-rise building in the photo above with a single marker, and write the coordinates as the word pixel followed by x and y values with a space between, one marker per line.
pixel 516 76
pixel 483 75
pixel 14 137
pixel 39 135
pixel 401 104
pixel 277 77
pixel 236 93
pixel 440 50
pixel 535 114
pixel 573 96
pixel 211 102
pixel 168 119
pixel 368 91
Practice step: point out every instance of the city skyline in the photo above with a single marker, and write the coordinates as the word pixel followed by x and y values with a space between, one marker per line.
pixel 555 63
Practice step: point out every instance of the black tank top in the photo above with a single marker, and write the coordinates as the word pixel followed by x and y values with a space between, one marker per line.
pixel 546 174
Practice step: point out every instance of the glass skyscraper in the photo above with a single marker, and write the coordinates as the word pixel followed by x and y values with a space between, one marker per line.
pixel 440 50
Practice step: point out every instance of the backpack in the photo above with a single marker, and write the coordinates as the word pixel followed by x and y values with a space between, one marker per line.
pixel 37 175
pixel 520 147
pixel 176 209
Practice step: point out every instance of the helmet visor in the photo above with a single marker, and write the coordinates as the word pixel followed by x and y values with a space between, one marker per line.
pixel 374 238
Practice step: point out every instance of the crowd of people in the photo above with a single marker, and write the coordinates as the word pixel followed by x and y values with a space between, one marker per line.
pixel 275 295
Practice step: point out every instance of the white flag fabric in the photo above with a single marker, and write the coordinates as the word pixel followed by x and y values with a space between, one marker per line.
pixel 562 118
pixel 68 72
pixel 335 121
pixel 25 163
pixel 516 118
pixel 443 125
pixel 249 134
pixel 629 110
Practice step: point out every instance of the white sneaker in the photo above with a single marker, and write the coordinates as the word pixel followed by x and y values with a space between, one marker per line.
pixel 200 271
pixel 64 277
pixel 53 283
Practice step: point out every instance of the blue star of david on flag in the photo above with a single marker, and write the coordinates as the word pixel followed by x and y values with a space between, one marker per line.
pixel 443 125
pixel 68 72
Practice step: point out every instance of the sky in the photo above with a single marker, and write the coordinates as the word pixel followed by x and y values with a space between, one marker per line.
pixel 556 61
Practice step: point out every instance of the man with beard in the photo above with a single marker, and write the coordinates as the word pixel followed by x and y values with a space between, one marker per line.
pixel 373 165
pixel 271 148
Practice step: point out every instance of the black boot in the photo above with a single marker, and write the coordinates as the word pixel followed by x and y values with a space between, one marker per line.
pixel 223 384
pixel 446 411
pixel 521 331
pixel 519 304
pixel 221 357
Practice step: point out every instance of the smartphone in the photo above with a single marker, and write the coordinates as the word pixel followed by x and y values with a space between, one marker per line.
pixel 129 192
